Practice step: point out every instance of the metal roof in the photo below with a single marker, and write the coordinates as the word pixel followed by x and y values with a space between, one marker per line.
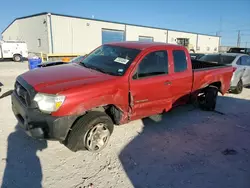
pixel 64 15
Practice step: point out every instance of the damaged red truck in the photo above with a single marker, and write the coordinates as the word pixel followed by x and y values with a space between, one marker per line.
pixel 79 104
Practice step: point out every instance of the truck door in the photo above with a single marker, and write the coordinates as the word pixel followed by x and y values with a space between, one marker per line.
pixel 182 77
pixel 245 63
pixel 150 85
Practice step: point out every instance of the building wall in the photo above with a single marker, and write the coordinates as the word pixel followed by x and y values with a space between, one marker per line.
pixel 30 30
pixel 223 49
pixel 133 33
pixel 208 44
pixel 80 36
pixel 172 35
pixel 12 33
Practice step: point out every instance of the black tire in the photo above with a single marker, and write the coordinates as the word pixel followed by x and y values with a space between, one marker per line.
pixel 239 88
pixel 207 101
pixel 17 58
pixel 77 138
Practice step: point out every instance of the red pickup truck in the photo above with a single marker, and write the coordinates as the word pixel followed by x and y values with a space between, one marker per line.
pixel 79 104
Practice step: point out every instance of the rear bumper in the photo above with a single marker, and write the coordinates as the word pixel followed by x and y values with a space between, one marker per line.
pixel 40 125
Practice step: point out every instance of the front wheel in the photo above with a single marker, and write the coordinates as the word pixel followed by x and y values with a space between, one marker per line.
pixel 91 132
pixel 208 98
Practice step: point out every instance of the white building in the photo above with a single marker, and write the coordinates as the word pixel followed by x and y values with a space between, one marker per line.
pixel 58 34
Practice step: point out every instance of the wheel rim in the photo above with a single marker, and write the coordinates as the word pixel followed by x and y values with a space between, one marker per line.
pixel 17 58
pixel 97 137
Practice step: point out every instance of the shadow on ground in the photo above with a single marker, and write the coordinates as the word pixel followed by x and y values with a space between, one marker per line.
pixel 185 148
pixel 6 94
pixel 23 167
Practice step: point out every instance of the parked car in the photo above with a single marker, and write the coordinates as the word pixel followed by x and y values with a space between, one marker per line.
pixel 239 50
pixel 77 59
pixel 78 104
pixel 241 62
pixel 196 55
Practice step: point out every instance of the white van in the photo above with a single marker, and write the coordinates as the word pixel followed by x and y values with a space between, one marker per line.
pixel 17 50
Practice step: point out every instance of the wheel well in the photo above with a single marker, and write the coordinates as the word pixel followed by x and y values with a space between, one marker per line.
pixel 111 110
pixel 216 84
pixel 16 55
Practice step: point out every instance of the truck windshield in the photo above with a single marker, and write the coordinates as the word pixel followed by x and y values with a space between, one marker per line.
pixel 77 59
pixel 109 59
pixel 222 59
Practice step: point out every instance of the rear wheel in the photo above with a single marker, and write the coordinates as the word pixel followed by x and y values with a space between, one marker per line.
pixel 238 88
pixel 91 132
pixel 17 58
pixel 207 99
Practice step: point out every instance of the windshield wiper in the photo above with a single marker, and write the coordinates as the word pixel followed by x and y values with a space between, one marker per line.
pixel 97 69
pixel 103 71
pixel 84 65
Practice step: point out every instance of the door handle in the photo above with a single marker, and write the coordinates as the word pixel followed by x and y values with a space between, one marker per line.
pixel 167 83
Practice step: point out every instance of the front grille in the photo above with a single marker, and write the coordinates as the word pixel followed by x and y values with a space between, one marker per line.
pixel 22 94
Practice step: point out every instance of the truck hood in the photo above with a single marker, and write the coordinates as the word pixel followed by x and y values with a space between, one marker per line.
pixel 56 79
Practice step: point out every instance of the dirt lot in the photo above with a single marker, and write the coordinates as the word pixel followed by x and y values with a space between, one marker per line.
pixel 184 150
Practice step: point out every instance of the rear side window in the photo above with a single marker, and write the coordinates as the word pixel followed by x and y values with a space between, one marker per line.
pixel 245 60
pixel 154 63
pixel 180 61
pixel 248 61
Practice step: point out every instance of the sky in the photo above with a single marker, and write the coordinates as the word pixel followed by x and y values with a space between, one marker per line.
pixel 225 17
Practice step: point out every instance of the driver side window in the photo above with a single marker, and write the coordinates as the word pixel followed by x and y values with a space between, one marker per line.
pixel 154 63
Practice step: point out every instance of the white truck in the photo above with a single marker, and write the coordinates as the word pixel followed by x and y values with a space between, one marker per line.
pixel 16 50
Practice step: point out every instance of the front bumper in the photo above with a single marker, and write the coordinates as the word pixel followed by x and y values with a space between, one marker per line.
pixel 40 125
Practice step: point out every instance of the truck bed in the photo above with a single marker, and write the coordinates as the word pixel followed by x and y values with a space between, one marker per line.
pixel 210 72
pixel 201 65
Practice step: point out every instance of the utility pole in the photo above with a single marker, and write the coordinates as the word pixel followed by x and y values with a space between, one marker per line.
pixel 238 40
pixel 246 44
pixel 218 33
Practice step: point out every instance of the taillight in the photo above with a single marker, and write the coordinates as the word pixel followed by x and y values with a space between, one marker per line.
pixel 234 69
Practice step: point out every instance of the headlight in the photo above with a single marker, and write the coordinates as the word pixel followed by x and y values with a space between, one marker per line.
pixel 49 103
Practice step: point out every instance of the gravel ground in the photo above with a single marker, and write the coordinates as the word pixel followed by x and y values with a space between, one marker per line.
pixel 182 150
